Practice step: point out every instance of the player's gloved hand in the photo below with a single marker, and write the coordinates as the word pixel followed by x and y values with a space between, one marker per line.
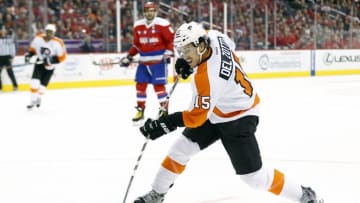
pixel 167 59
pixel 125 61
pixel 27 57
pixel 183 68
pixel 167 56
pixel 47 61
pixel 157 128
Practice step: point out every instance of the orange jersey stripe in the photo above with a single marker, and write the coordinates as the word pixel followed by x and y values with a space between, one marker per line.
pixel 59 41
pixel 235 113
pixel 32 50
pixel 34 90
pixel 278 182
pixel 172 165
pixel 63 56
pixel 198 115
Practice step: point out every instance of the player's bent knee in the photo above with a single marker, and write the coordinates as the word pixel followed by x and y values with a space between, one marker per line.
pixel 260 179
pixel 183 149
pixel 35 83
pixel 141 86
pixel 160 88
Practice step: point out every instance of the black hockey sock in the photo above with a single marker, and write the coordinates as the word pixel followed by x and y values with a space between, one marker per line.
pixel 12 76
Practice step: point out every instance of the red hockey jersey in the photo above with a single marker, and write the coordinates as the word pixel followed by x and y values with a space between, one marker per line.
pixel 153 40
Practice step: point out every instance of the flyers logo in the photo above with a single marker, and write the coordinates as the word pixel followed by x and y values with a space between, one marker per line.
pixel 45 51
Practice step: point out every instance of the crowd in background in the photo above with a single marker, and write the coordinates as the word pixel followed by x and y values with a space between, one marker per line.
pixel 251 23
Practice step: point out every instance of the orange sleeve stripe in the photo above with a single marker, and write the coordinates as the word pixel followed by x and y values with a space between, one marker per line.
pixel 198 116
pixel 172 165
pixel 235 113
pixel 32 50
pixel 59 41
pixel 236 58
pixel 278 182
pixel 62 57
pixel 194 118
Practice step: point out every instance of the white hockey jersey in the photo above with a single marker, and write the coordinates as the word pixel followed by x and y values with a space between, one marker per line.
pixel 54 47
pixel 221 90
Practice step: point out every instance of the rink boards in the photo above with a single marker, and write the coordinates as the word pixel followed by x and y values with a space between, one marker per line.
pixel 79 71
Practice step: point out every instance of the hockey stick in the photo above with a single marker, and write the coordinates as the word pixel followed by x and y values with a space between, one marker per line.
pixel 109 61
pixel 30 63
pixel 21 65
pixel 146 142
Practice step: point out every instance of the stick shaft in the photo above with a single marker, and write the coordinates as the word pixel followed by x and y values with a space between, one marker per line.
pixel 145 144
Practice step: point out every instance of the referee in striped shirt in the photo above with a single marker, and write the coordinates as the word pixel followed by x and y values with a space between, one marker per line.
pixel 7 53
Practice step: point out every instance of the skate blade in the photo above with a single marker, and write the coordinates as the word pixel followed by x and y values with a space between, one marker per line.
pixel 31 107
pixel 320 200
pixel 138 123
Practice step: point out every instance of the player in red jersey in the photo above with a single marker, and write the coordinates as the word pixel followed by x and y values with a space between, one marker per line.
pixel 153 41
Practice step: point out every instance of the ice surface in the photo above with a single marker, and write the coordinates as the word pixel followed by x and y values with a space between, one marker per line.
pixel 81 146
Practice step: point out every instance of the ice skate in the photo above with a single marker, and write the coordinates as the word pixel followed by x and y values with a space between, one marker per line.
pixel 31 105
pixel 309 196
pixel 139 117
pixel 151 197
pixel 36 103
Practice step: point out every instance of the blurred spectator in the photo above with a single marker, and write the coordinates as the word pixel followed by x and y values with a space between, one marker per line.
pixel 249 22
pixel 86 46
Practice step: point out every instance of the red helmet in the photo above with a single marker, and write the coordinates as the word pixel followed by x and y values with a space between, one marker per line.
pixel 149 4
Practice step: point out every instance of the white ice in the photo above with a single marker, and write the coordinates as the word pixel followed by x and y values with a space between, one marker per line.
pixel 81 146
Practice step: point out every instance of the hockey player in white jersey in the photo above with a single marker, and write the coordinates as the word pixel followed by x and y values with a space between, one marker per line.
pixel 50 51
pixel 224 106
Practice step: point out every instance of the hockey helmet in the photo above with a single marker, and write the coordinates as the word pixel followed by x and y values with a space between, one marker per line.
pixel 50 27
pixel 189 33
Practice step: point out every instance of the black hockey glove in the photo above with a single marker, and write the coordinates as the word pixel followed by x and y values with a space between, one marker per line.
pixel 28 56
pixel 183 68
pixel 167 60
pixel 48 60
pixel 167 56
pixel 157 128
pixel 125 61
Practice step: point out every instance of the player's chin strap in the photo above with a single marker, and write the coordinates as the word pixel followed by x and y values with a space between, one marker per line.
pixel 200 53
pixel 145 143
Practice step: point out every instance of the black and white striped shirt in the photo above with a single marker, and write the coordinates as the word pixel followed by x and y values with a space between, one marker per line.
pixel 7 45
